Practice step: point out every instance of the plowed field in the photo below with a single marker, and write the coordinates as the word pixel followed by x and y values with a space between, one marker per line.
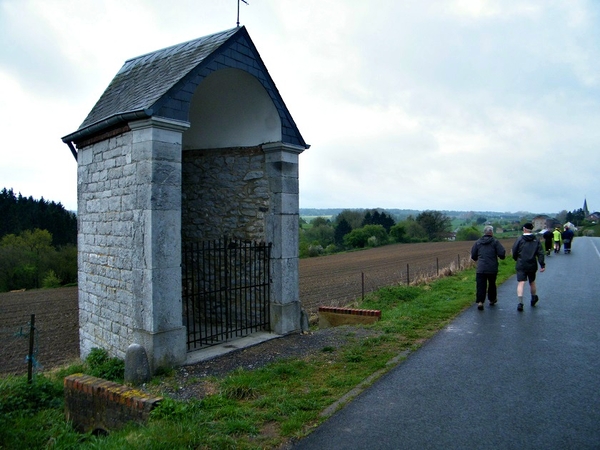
pixel 337 280
pixel 330 280
pixel 56 324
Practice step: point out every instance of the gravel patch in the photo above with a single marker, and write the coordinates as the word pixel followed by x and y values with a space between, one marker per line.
pixel 196 380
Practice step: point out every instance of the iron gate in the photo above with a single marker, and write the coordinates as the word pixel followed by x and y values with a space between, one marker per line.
pixel 226 290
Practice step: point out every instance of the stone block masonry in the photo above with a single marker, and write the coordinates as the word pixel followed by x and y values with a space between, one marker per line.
pixel 225 193
pixel 129 257
pixel 96 405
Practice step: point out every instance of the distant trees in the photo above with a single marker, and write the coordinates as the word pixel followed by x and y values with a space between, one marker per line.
pixel 375 217
pixel 352 229
pixel 18 214
pixel 369 235
pixel 576 217
pixel 37 243
pixel 436 224
pixel 29 261
pixel 342 228
pixel 468 234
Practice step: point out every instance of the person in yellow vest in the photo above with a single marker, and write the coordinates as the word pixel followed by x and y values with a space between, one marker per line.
pixel 557 236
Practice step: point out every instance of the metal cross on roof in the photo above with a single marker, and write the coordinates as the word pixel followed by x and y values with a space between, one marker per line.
pixel 238 11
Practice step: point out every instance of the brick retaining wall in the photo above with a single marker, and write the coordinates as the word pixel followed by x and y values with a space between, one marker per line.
pixel 332 316
pixel 94 404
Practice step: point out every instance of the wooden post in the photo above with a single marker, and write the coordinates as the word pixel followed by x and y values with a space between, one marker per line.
pixel 31 345
pixel 363 285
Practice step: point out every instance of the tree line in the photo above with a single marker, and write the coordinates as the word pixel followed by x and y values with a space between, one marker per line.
pixel 38 243
pixel 354 229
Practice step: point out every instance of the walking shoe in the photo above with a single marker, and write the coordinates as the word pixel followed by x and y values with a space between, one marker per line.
pixel 534 300
pixel 480 306
pixel 520 307
pixel 493 302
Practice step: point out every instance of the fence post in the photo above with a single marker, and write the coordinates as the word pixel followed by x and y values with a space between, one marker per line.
pixel 31 345
pixel 437 266
pixel 407 275
pixel 458 261
pixel 362 274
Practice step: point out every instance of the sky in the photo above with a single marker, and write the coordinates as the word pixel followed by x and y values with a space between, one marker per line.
pixel 446 105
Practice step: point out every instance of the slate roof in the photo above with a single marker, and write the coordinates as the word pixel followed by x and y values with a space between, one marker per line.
pixel 162 83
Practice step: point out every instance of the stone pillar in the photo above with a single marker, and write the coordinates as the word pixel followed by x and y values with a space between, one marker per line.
pixel 282 230
pixel 156 258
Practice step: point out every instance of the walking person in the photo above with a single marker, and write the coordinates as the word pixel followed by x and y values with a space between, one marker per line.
pixel 528 253
pixel 486 252
pixel 567 238
pixel 548 241
pixel 557 236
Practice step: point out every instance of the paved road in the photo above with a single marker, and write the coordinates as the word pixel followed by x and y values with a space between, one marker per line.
pixel 493 379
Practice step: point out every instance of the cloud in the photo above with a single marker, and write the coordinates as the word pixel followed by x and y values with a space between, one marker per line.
pixel 444 104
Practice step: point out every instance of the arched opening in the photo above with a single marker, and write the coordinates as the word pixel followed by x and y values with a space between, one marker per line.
pixel 230 108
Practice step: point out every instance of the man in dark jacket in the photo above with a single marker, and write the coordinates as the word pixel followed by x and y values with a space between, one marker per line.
pixel 567 238
pixel 528 253
pixel 548 241
pixel 486 252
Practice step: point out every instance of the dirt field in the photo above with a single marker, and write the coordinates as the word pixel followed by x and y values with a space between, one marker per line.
pixel 330 280
pixel 337 280
pixel 56 323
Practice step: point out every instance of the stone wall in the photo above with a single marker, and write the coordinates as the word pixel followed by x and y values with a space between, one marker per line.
pixel 225 192
pixel 107 239
pixel 129 242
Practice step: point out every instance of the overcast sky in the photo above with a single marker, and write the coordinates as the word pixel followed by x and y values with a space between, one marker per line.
pixel 412 104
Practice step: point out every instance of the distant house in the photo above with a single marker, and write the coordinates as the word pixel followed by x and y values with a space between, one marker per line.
pixel 541 222
pixel 594 217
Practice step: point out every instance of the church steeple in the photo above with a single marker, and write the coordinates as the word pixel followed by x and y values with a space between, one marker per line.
pixel 586 211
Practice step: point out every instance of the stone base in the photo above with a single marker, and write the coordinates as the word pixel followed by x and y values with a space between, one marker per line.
pixel 164 349
pixel 286 318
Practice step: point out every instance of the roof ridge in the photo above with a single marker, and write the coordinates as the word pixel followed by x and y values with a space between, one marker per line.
pixel 231 31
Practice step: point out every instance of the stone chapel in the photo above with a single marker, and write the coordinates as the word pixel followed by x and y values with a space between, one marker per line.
pixel 190 143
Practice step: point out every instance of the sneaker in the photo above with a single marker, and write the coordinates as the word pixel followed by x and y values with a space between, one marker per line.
pixel 520 307
pixel 534 300
pixel 480 306
pixel 493 302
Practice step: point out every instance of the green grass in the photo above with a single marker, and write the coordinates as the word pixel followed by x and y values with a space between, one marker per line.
pixel 262 408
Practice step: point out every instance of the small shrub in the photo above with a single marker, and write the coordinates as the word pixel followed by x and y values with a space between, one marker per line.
pixel 315 250
pixel 354 355
pixel 51 280
pixel 102 366
pixel 173 410
pixel 331 248
pixel 28 398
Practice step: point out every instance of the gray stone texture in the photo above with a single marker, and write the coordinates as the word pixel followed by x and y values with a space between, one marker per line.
pixel 137 367
pixel 225 193
pixel 129 212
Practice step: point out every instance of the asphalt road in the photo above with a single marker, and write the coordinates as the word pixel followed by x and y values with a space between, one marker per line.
pixel 493 379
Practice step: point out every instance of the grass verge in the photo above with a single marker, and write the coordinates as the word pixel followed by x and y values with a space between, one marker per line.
pixel 262 408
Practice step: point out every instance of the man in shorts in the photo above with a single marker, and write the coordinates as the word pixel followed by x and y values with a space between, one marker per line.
pixel 528 253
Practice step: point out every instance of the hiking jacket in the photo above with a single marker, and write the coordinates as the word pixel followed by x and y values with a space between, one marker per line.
pixel 527 252
pixel 486 252
pixel 557 236
pixel 568 234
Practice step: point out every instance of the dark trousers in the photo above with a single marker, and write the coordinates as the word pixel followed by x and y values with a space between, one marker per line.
pixel 486 282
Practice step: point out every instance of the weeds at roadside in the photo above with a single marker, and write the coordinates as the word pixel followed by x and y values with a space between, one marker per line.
pixel 261 408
